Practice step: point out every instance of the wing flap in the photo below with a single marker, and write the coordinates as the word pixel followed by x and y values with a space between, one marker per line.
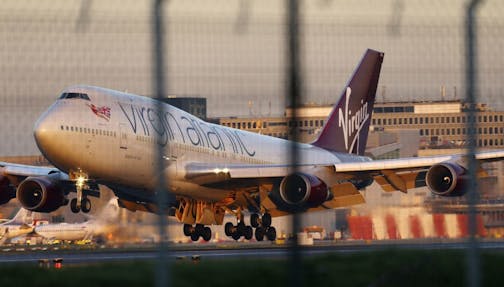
pixel 407 180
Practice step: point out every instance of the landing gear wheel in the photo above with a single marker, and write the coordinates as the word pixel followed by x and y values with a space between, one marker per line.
pixel 187 229
pixel 228 228
pixel 194 236
pixel 254 220
pixel 248 232
pixel 73 206
pixel 240 228
pixel 271 233
pixel 199 229
pixel 86 205
pixel 236 235
pixel 207 233
pixel 266 220
pixel 259 234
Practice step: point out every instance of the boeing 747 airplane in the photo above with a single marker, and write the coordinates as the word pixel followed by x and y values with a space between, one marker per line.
pixel 97 136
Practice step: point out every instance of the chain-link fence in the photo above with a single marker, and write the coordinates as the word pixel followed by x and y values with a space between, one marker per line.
pixel 236 55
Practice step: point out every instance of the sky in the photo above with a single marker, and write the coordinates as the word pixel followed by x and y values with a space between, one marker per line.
pixel 233 53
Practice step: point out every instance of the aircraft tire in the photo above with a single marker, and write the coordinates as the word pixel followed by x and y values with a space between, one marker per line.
pixel 240 227
pixel 86 205
pixel 228 228
pixel 266 220
pixel 207 233
pixel 73 206
pixel 248 233
pixel 199 229
pixel 236 235
pixel 271 233
pixel 187 229
pixel 254 220
pixel 195 236
pixel 259 233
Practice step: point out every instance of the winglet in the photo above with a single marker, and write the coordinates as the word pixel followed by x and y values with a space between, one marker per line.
pixel 346 129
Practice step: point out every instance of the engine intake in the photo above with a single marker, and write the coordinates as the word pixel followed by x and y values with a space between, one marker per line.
pixel 41 194
pixel 303 191
pixel 446 179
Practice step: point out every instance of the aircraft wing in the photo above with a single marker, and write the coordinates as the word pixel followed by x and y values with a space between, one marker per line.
pixel 208 173
pixel 12 175
pixel 23 171
pixel 391 174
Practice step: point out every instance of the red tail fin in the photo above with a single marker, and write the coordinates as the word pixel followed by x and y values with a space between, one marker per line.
pixel 346 129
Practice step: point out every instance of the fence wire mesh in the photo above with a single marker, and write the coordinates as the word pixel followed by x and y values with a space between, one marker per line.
pixel 235 54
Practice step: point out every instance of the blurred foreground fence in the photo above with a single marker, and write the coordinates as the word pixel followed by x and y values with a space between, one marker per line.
pixel 247 61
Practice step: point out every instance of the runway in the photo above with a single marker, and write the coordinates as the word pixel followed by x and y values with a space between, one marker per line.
pixel 227 251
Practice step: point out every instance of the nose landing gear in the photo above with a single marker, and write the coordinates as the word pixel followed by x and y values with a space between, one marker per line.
pixel 85 205
pixel 81 202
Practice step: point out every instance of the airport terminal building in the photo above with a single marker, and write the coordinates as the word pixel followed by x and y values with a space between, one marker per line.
pixel 440 124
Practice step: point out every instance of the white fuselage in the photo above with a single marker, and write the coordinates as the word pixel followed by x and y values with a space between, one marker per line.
pixel 112 137
pixel 65 231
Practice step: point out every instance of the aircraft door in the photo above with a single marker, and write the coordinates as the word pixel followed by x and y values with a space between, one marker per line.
pixel 172 160
pixel 123 137
pixel 90 146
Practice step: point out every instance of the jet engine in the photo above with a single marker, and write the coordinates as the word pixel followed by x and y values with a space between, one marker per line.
pixel 7 192
pixel 446 179
pixel 301 191
pixel 41 194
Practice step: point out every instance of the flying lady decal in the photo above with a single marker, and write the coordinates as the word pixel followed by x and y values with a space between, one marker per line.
pixel 102 112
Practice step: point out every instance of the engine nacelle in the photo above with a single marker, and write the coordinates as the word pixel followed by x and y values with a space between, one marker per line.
pixel 41 194
pixel 303 191
pixel 7 192
pixel 446 179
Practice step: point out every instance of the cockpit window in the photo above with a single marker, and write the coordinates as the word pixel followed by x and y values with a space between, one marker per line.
pixel 74 96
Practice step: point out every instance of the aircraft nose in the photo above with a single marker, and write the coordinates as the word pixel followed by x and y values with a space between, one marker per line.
pixel 42 132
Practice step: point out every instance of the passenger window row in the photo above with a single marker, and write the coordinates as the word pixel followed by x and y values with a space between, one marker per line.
pixel 98 132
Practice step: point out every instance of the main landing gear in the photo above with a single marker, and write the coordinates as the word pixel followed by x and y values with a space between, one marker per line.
pixel 197 231
pixel 262 227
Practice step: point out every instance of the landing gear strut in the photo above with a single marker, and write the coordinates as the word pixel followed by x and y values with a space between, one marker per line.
pixel 197 231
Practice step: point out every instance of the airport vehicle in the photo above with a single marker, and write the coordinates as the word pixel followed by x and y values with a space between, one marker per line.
pixel 84 231
pixel 20 224
pixel 97 136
